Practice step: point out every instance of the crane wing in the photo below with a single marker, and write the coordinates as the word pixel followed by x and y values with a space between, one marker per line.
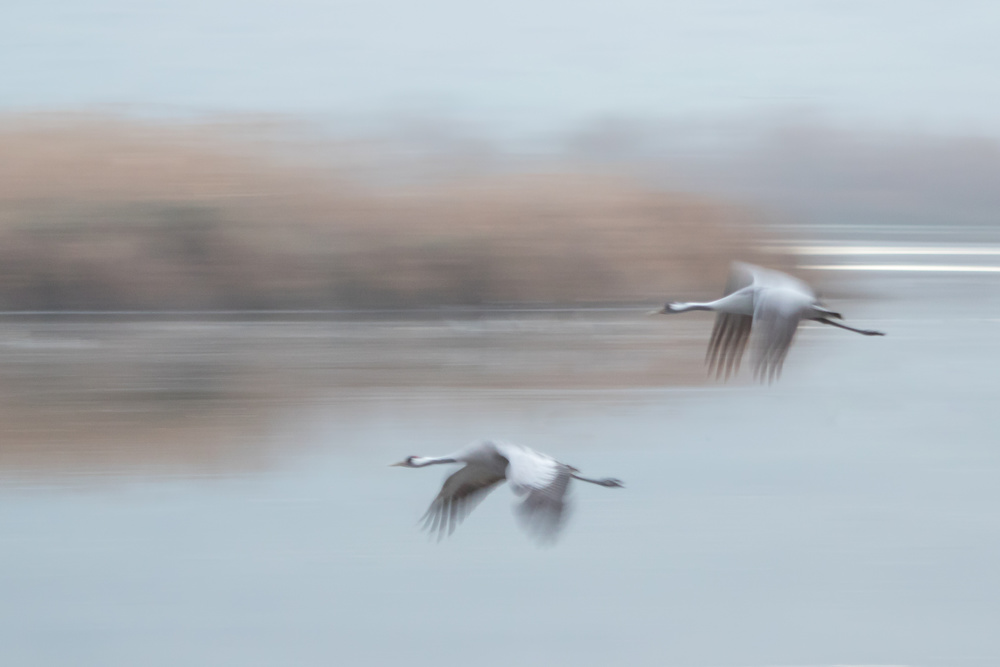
pixel 774 324
pixel 731 331
pixel 775 321
pixel 742 275
pixel 544 482
pixel 728 342
pixel 462 491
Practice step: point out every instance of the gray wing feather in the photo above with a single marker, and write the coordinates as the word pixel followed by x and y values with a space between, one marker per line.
pixel 543 511
pixel 544 482
pixel 775 324
pixel 462 491
pixel 731 332
pixel 728 342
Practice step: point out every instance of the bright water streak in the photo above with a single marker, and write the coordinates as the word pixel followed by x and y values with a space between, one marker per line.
pixel 908 268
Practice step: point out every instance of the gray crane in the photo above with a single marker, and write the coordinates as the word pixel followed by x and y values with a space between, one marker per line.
pixel 539 478
pixel 768 303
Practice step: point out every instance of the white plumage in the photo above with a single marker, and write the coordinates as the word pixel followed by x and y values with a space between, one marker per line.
pixel 768 303
pixel 538 478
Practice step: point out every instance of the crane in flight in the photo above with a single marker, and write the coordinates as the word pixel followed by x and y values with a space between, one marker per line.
pixel 538 478
pixel 768 303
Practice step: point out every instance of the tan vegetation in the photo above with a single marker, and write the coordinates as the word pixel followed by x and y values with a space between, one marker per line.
pixel 105 213
pixel 100 213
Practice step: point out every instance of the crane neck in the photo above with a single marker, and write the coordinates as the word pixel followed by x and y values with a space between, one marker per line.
pixel 740 302
pixel 684 307
pixel 424 461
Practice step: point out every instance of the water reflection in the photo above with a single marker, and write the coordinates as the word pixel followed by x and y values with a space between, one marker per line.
pixel 116 395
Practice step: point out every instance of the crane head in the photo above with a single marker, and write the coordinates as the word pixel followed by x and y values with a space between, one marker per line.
pixel 668 309
pixel 408 462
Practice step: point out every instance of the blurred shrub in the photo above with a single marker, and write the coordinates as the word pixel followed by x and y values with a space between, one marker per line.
pixel 104 213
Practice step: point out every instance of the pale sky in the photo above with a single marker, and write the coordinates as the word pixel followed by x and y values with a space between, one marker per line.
pixel 529 64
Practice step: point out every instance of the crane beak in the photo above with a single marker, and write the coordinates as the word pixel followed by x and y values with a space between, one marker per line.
pixel 661 311
pixel 401 464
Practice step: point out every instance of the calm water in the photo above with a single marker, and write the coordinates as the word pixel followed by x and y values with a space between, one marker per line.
pixel 846 515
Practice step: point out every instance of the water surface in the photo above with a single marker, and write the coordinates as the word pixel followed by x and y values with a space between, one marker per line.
pixel 845 515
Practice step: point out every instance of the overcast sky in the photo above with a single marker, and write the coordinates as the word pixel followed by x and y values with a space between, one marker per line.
pixel 527 64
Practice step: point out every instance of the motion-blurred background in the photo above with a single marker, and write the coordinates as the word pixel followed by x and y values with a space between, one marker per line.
pixel 251 252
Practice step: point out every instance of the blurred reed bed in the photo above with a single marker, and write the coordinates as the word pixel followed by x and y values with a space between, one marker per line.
pixel 102 212
pixel 109 214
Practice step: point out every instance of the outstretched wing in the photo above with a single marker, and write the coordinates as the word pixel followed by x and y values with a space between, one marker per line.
pixel 728 342
pixel 731 332
pixel 777 314
pixel 462 491
pixel 544 482
pixel 745 274
pixel 775 320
